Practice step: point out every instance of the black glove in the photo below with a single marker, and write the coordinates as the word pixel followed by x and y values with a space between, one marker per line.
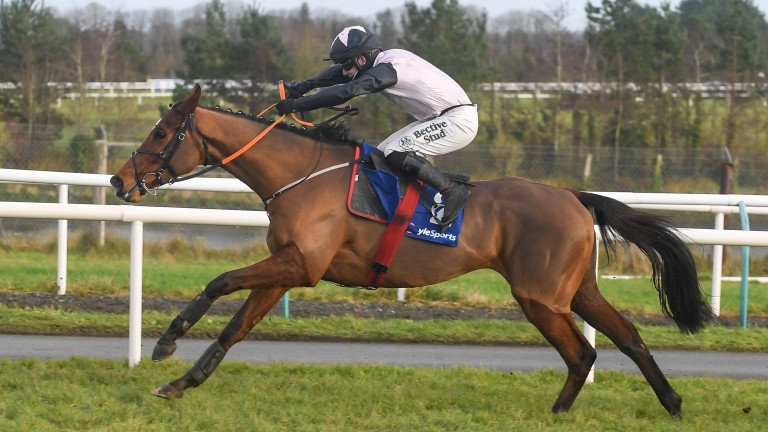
pixel 295 90
pixel 286 106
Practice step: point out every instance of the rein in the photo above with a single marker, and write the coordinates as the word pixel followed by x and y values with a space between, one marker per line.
pixel 167 153
pixel 188 126
pixel 347 110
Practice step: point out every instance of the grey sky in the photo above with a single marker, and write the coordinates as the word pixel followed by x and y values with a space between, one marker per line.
pixel 576 16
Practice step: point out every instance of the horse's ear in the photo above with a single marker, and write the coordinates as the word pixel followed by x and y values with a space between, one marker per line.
pixel 190 102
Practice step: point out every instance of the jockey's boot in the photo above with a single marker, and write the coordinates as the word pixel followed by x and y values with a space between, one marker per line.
pixel 454 194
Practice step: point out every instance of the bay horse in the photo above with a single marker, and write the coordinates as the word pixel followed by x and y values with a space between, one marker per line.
pixel 540 238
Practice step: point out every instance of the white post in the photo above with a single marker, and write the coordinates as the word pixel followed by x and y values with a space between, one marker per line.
pixel 717 266
pixel 589 331
pixel 61 272
pixel 134 308
pixel 100 193
pixel 401 294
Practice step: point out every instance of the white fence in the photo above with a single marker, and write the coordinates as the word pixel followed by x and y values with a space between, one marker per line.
pixel 163 87
pixel 137 216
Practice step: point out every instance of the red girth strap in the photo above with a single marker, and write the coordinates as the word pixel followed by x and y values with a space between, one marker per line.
pixel 394 233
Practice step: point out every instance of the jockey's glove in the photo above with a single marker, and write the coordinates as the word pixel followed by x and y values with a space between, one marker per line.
pixel 286 106
pixel 295 90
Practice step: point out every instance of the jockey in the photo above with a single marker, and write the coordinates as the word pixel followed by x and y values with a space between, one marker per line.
pixel 446 120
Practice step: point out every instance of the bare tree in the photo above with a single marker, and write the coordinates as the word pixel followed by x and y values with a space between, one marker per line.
pixel 27 38
pixel 76 50
pixel 163 45
pixel 553 25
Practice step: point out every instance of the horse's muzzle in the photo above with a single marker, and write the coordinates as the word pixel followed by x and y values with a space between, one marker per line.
pixel 118 185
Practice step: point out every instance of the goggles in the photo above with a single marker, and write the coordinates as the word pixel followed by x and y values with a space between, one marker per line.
pixel 348 64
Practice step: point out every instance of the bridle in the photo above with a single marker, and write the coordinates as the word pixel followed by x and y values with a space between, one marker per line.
pixel 165 157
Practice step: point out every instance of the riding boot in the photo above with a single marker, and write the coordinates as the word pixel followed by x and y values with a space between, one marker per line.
pixel 454 194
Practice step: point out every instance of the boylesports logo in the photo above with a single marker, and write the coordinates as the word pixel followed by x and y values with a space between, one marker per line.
pixel 437 210
pixel 426 232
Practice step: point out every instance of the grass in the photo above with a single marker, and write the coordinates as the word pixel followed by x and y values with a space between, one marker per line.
pixel 100 395
pixel 95 395
pixel 167 275
pixel 179 269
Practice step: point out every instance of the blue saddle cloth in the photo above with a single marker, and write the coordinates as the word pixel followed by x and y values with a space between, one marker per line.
pixel 375 193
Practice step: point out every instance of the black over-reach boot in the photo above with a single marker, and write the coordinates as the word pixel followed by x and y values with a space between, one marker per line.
pixel 454 194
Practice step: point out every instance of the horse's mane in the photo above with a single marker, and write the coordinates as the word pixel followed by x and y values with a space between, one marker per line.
pixel 335 132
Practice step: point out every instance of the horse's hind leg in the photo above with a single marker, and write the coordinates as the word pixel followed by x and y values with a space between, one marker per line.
pixel 286 268
pixel 595 310
pixel 561 331
pixel 258 304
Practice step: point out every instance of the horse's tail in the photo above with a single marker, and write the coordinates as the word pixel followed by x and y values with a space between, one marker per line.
pixel 674 270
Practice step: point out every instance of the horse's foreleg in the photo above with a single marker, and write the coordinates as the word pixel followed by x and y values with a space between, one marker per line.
pixel 286 268
pixel 561 331
pixel 258 304
pixel 595 310
pixel 166 345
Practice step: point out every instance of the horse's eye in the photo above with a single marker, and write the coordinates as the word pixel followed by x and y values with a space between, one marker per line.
pixel 160 134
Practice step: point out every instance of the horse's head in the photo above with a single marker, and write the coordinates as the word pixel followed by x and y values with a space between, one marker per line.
pixel 165 154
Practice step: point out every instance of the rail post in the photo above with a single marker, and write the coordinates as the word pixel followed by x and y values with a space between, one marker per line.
pixel 717 266
pixel 134 305
pixel 744 268
pixel 61 267
pixel 589 331
pixel 284 306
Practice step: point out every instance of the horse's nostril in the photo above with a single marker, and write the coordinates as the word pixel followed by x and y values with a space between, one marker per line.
pixel 116 183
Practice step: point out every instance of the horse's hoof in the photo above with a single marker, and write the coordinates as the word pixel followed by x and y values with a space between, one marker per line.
pixel 162 352
pixel 674 405
pixel 169 392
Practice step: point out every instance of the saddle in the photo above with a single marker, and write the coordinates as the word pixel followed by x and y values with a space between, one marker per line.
pixel 407 207
pixel 376 189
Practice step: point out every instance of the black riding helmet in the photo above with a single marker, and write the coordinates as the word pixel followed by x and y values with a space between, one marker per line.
pixel 353 42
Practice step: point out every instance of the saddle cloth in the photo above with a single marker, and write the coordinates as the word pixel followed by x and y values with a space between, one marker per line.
pixel 375 192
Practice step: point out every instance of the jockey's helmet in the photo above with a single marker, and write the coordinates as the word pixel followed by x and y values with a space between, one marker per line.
pixel 353 42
